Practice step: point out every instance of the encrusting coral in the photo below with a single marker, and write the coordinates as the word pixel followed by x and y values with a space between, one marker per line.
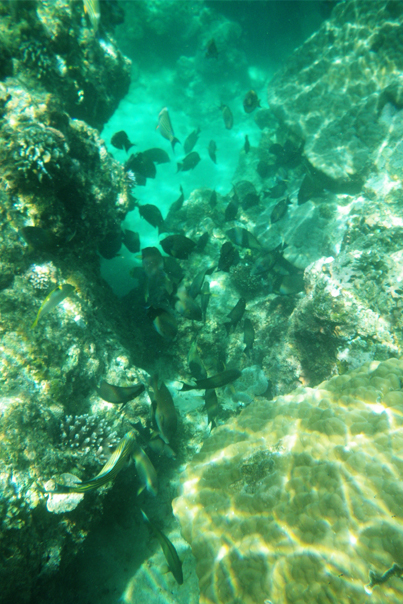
pixel 300 500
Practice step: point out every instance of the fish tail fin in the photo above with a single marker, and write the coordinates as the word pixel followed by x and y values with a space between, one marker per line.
pixel 179 164
pixel 186 387
pixel 228 327
pixel 174 141
pixel 34 324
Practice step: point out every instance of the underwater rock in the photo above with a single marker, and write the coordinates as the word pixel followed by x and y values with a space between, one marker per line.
pixel 299 499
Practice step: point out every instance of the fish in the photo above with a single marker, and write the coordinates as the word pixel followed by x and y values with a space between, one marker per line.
pixel 278 190
pixel 202 242
pixel 146 471
pixel 141 165
pixel 109 471
pixel 289 285
pixel 213 199
pixel 119 395
pixel 251 101
pixel 189 162
pixel 120 140
pixel 158 446
pixel 197 283
pixel 187 307
pixel 264 263
pixel 231 210
pixel 178 246
pixel 246 146
pixel 211 405
pixel 246 194
pixel 164 322
pixel 152 260
pixel 173 269
pixel 279 210
pixel 191 140
pixel 56 296
pixel 131 241
pixel 93 9
pixel 39 239
pixel 171 556
pixel 205 299
pixel 235 315
pixel 211 50
pixel 227 116
pixel 243 238
pixel 158 284
pixel 152 215
pixel 156 155
pixel 248 335
pixel 212 148
pixel 165 127
pixel 196 366
pixel 164 410
pixel 110 245
pixel 215 381
pixel 229 256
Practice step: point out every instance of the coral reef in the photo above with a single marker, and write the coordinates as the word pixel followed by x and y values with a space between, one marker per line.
pixel 84 434
pixel 299 499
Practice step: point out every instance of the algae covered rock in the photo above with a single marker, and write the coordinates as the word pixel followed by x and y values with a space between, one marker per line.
pixel 299 500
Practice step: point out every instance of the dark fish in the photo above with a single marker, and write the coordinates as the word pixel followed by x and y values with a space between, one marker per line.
pixel 191 141
pixel 164 410
pixel 173 269
pixel 158 446
pixel 187 307
pixel 235 315
pixel 215 381
pixel 119 395
pixel 311 186
pixel 243 238
pixel 158 284
pixel 279 210
pixel 278 190
pixel 189 162
pixel 120 140
pixel 202 242
pixel 211 405
pixel 211 50
pixel 277 150
pixel 141 165
pixel 165 127
pixel 196 366
pixel 152 214
pixel 246 146
pixel 110 245
pixel 56 296
pixel 288 155
pixel 251 101
pixel 156 155
pixel 213 199
pixel 164 322
pixel 246 194
pixel 131 240
pixel 109 471
pixel 176 205
pixel 153 262
pixel 212 148
pixel 264 169
pixel 178 246
pixel 289 285
pixel 264 263
pixel 248 335
pixel 231 210
pixel 171 556
pixel 39 239
pixel 204 299
pixel 227 116
pixel 229 256
pixel 197 284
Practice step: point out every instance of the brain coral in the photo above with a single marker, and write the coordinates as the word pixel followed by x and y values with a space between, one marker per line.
pixel 297 500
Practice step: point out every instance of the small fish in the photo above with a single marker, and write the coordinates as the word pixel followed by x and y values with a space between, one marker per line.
pixel 227 116
pixel 164 410
pixel 229 256
pixel 311 186
pixel 289 285
pixel 202 242
pixel 211 50
pixel 110 245
pixel 246 146
pixel 173 269
pixel 165 127
pixel 156 155
pixel 158 446
pixel 211 405
pixel 187 307
pixel 196 366
pixel 109 471
pixel 243 238
pixel 176 205
pixel 119 395
pixel 141 165
pixel 53 299
pixel 264 263
pixel 178 246
pixel 246 194
pixel 39 239
pixel 205 299
pixel 212 148
pixel 278 190
pixel 171 556
pixel 191 140
pixel 93 9
pixel 215 381
pixel 164 322
pixel 152 215
pixel 231 210
pixel 131 240
pixel 189 162
pixel 146 471
pixel 197 284
pixel 251 101
pixel 120 140
pixel 248 335
pixel 153 262
pixel 279 210
pixel 235 315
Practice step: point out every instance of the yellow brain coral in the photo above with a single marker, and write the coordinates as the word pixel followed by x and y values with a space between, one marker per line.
pixel 297 500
